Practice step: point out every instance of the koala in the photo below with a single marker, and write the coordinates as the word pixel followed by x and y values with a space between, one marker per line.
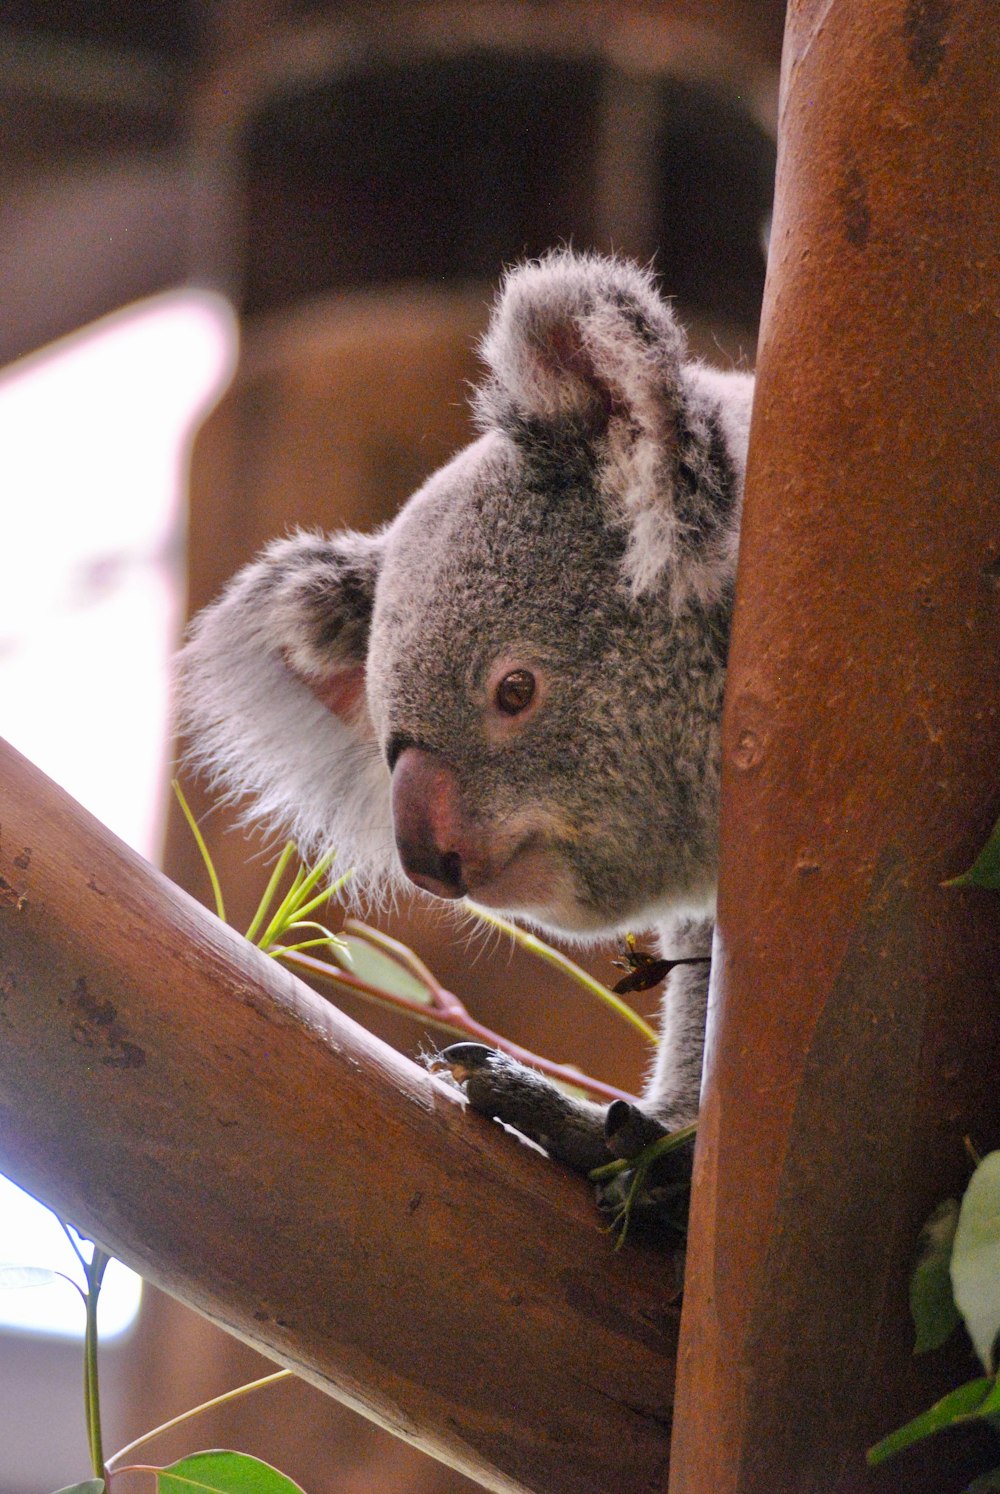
pixel 513 691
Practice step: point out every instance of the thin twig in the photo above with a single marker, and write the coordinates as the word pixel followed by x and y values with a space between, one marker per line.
pixel 220 907
pixel 444 1010
pixel 568 967
pixel 176 1421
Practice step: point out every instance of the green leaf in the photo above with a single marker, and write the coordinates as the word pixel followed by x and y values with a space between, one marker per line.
pixel 221 1472
pixel 958 1405
pixel 381 970
pixel 990 1409
pixel 932 1303
pixel 89 1486
pixel 975 1258
pixel 985 870
pixel 13 1277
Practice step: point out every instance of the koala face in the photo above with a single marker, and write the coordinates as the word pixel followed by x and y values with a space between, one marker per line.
pixel 521 696
pixel 512 692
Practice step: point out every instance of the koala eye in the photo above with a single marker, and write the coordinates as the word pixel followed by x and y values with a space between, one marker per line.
pixel 515 692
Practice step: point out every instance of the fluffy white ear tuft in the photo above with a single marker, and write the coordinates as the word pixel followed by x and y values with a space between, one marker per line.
pixel 581 338
pixel 271 698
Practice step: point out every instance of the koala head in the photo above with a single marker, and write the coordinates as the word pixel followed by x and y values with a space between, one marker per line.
pixel 513 690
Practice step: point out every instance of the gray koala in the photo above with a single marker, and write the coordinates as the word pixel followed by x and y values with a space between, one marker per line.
pixel 513 691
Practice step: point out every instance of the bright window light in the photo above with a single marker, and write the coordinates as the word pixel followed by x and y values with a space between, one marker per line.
pixel 56 1308
pixel 94 441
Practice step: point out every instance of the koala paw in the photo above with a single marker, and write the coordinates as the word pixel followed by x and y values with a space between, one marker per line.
pixel 499 1086
pixel 648 1187
pixel 650 1192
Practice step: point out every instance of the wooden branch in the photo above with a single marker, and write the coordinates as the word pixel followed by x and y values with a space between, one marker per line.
pixel 241 1143
pixel 856 1026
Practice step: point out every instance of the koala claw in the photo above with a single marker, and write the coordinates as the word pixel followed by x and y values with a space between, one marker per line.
pixel 462 1059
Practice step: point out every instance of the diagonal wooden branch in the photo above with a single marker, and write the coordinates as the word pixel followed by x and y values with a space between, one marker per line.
pixel 240 1142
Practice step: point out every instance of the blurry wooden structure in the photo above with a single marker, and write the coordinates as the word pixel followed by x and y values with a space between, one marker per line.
pixel 290 148
pixel 354 177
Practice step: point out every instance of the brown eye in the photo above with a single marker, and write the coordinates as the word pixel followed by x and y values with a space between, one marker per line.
pixel 515 691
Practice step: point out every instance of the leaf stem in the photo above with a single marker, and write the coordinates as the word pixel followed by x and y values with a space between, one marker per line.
pixel 294 903
pixel 568 967
pixel 277 950
pixel 445 1012
pixel 74 1247
pixel 270 889
pixel 176 1421
pixel 649 1154
pixel 316 902
pixel 220 907
pixel 91 1390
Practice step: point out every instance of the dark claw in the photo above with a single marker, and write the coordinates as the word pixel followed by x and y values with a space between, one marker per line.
pixel 474 1053
pixel 464 1059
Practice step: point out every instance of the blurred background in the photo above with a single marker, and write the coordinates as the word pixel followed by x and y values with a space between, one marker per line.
pixel 246 250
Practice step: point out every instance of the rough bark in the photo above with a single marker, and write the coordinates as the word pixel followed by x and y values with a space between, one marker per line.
pixel 232 1136
pixel 856 1022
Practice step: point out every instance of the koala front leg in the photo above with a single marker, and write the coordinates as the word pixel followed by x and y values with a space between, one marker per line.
pixel 674 1086
pixel 579 1132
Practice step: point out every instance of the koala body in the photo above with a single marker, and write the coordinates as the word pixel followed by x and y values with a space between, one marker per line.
pixel 513 690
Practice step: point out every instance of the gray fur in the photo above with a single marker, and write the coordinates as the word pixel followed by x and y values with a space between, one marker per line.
pixel 588 535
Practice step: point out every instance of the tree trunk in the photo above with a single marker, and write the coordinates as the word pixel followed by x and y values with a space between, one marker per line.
pixel 232 1136
pixel 855 1030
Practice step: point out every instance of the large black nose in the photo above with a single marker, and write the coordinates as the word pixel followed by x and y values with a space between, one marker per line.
pixel 428 822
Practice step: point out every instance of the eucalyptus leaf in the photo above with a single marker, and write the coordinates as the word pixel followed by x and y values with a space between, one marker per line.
pixel 89 1486
pixel 13 1277
pixel 957 1405
pixel 975 1258
pixel 990 1409
pixel 932 1302
pixel 381 970
pixel 221 1472
pixel 985 870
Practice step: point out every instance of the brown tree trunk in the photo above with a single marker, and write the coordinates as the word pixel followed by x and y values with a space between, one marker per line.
pixel 244 1145
pixel 855 1032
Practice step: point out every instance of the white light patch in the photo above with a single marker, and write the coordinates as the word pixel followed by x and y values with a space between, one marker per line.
pixel 35 1234
pixel 94 441
pixel 95 435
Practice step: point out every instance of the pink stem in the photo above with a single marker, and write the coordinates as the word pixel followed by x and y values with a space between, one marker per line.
pixel 444 1011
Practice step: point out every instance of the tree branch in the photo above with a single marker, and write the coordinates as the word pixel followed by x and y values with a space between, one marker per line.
pixel 235 1138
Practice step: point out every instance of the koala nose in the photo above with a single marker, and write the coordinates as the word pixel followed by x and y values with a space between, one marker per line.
pixel 429 823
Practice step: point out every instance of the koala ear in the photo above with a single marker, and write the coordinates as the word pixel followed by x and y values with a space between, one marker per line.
pixel 581 339
pixel 271 694
pixel 320 591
